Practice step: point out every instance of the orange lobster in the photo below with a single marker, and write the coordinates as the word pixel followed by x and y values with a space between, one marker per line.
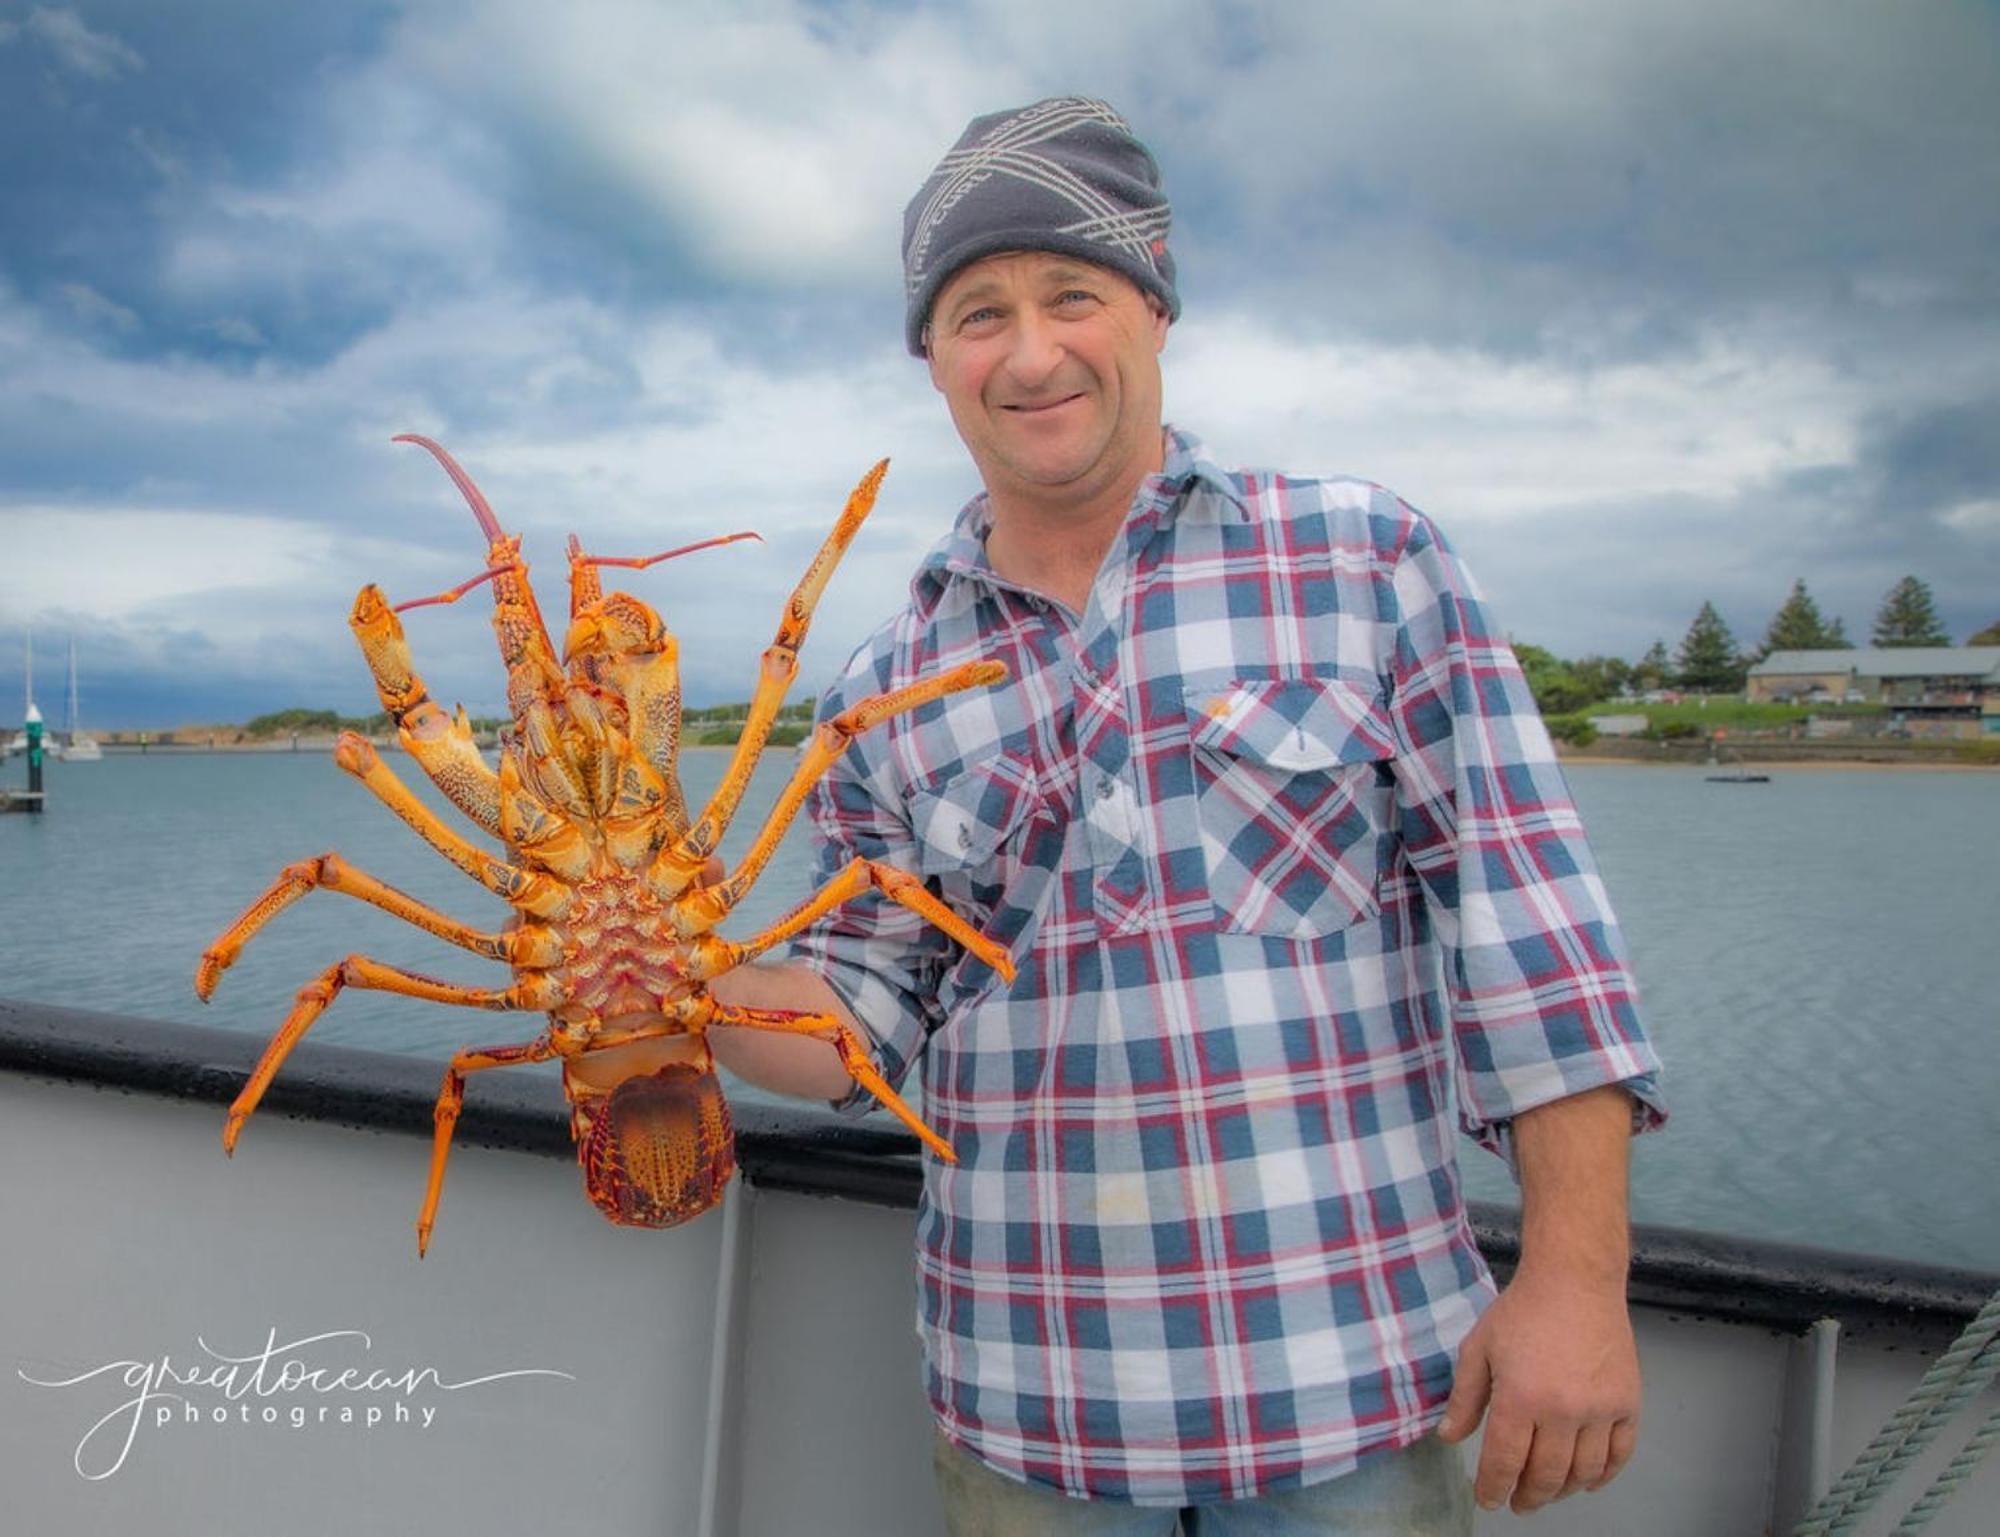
pixel 615 937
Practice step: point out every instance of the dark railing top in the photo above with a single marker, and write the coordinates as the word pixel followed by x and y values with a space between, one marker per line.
pixel 1780 1286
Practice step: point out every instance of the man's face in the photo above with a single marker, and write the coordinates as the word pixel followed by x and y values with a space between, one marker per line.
pixel 1051 368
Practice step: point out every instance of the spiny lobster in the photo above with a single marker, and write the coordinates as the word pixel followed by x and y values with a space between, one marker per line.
pixel 605 868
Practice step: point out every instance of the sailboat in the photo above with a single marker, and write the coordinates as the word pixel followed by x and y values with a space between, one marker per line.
pixel 80 747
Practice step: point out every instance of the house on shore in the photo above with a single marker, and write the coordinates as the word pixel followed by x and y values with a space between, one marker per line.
pixel 1933 691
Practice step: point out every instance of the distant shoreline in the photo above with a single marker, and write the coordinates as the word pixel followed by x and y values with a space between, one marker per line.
pixel 1786 756
pixel 1735 749
pixel 279 748
pixel 1589 759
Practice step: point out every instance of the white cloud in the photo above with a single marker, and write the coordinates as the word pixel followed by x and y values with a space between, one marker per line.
pixel 1472 437
pixel 395 176
pixel 1976 517
pixel 91 307
pixel 117 562
pixel 238 332
pixel 697 444
pixel 96 55
pixel 776 141
pixel 159 155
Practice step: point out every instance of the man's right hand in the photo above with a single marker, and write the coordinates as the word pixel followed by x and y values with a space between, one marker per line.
pixel 798 1065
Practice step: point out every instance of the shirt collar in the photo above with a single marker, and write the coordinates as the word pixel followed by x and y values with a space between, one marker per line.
pixel 961 554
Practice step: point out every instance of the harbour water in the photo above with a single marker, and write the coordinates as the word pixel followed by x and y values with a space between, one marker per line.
pixel 1816 957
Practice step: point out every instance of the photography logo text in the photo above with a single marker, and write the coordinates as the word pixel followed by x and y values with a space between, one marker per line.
pixel 320 1381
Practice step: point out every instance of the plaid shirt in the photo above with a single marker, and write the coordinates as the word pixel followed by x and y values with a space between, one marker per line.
pixel 1245 825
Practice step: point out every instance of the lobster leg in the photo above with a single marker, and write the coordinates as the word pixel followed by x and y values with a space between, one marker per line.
pixel 451 1097
pixel 854 1056
pixel 530 992
pixel 532 946
pixel 441 743
pixel 708 905
pixel 450 1100
pixel 898 886
pixel 681 861
pixel 531 892
pixel 653 709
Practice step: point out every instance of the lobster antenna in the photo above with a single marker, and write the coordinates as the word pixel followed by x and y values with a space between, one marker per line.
pixel 641 562
pixel 457 592
pixel 474 497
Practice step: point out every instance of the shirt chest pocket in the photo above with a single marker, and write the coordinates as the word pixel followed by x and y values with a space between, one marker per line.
pixel 1291 779
pixel 969 830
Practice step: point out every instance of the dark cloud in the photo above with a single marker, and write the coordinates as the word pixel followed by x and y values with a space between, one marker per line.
pixel 1616 175
pixel 1611 578
pixel 1930 461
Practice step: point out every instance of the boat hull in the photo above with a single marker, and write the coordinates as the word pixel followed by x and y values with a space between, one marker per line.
pixel 752 1371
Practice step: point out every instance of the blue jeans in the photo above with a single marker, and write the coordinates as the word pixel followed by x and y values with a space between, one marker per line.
pixel 1419 1491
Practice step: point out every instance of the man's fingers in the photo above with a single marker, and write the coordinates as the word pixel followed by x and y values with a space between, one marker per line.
pixel 1624 1436
pixel 711 871
pixel 1593 1455
pixel 1547 1470
pixel 1502 1456
pixel 1469 1387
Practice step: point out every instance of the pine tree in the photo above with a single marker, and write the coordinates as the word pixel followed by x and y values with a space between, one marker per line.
pixel 1990 636
pixel 1709 662
pixel 1797 626
pixel 1654 670
pixel 1908 617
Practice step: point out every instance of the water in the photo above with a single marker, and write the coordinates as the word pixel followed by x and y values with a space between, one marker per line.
pixel 1815 955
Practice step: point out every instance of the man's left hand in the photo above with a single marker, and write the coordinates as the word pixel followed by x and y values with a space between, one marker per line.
pixel 1555 1360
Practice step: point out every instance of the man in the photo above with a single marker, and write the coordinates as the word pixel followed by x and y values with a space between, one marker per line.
pixel 1268 823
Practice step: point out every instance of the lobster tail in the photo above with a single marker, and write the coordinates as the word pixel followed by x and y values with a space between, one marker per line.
pixel 658 1149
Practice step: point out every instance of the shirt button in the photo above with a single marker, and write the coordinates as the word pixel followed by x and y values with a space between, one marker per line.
pixel 964 836
pixel 1105 787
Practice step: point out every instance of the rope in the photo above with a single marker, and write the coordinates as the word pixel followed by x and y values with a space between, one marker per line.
pixel 1963 1370
pixel 1956 1472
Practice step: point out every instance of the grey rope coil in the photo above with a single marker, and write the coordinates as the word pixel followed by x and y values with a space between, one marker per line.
pixel 1966 1368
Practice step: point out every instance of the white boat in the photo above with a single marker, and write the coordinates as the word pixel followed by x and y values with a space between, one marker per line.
pixel 78 745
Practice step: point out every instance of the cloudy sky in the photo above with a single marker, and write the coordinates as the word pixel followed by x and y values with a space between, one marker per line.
pixel 1647 304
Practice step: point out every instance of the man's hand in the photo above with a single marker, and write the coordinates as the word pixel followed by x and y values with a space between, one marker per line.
pixel 1557 1364
pixel 1553 1357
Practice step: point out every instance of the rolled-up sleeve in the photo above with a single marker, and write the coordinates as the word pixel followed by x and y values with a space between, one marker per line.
pixel 1542 1000
pixel 883 960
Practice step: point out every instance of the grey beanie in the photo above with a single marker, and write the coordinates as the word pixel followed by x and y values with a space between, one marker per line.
pixel 1065 175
